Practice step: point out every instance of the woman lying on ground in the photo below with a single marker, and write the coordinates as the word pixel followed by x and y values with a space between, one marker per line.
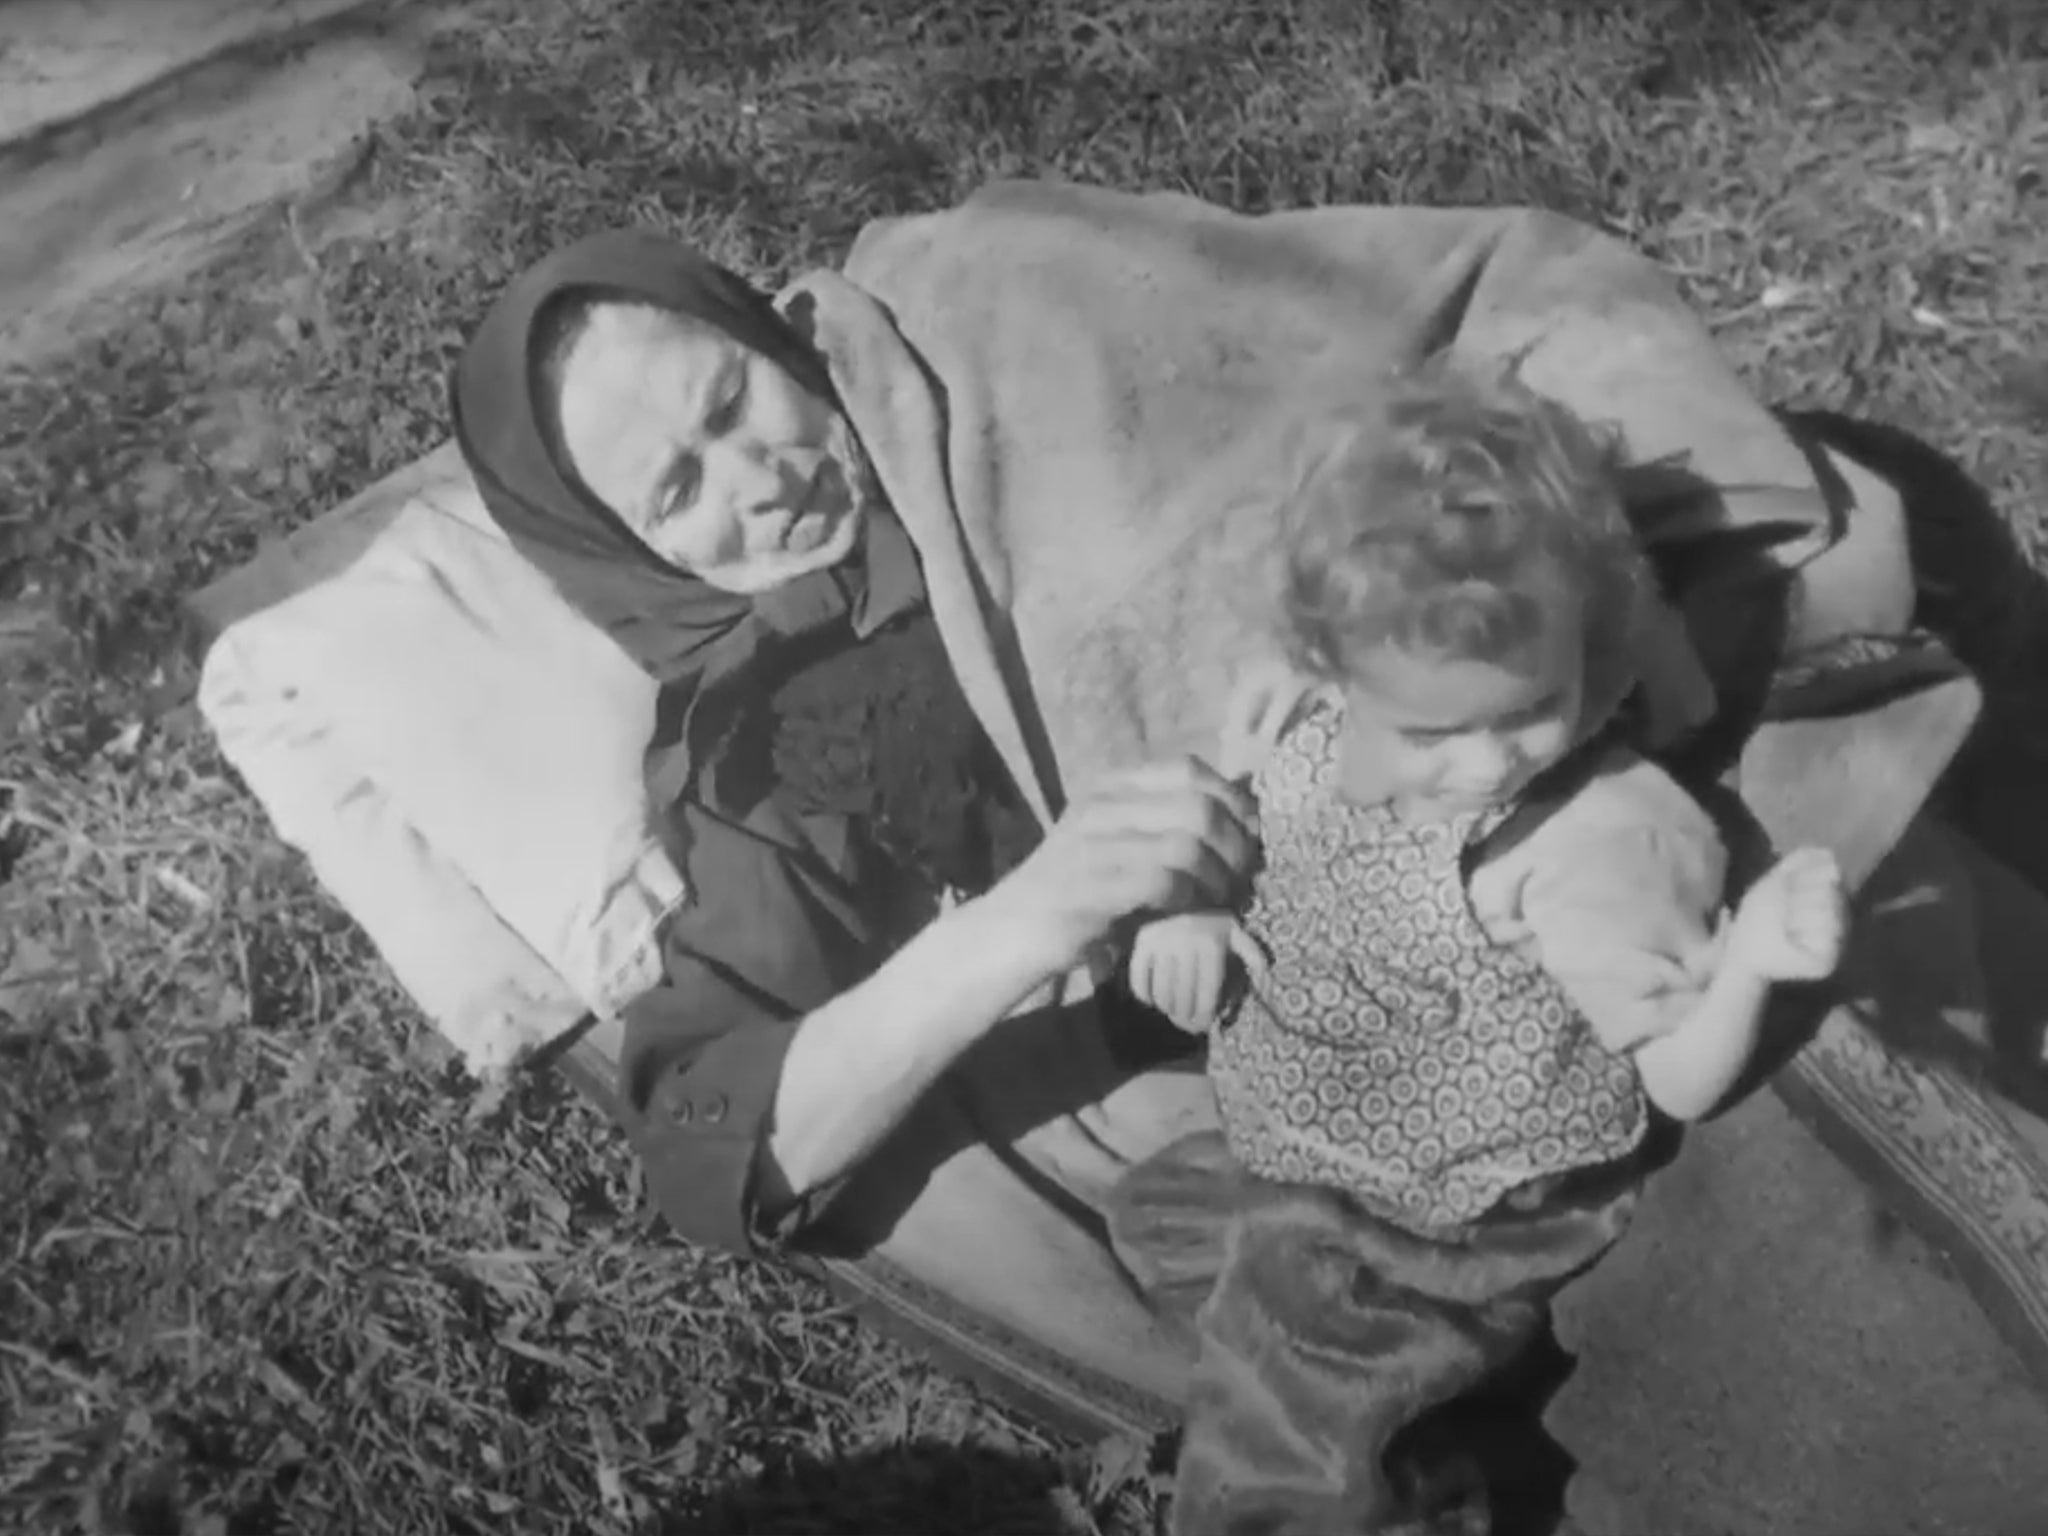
pixel 927 1106
pixel 669 449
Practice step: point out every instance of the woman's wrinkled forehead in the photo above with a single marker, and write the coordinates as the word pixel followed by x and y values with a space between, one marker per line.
pixel 634 386
pixel 609 331
pixel 624 334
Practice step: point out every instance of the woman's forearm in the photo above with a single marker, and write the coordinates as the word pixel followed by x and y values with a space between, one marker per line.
pixel 1163 837
pixel 857 1065
pixel 1690 1070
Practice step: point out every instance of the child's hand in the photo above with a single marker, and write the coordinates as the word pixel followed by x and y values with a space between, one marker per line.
pixel 1794 922
pixel 1179 965
pixel 1261 703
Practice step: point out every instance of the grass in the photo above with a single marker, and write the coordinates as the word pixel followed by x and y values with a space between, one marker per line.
pixel 267 1262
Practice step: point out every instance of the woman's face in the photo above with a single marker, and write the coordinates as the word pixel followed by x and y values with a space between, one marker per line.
pixel 721 462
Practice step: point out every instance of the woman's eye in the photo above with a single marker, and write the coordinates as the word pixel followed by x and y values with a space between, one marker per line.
pixel 727 412
pixel 681 489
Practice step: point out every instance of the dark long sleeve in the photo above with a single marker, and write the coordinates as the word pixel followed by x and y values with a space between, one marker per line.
pixel 784 915
pixel 708 1058
pixel 803 744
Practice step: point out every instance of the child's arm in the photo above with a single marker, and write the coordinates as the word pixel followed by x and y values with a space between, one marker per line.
pixel 1180 965
pixel 1618 897
pixel 1687 1072
pixel 1791 926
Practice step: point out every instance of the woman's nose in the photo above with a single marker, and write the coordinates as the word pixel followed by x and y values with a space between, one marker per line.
pixel 755 480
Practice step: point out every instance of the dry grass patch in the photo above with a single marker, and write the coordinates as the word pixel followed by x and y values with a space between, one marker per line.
pixel 268 1265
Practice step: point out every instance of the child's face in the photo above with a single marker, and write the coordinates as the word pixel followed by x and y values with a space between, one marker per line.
pixel 1438 737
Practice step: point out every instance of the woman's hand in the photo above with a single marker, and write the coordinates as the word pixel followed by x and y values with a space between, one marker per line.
pixel 1160 839
pixel 1147 842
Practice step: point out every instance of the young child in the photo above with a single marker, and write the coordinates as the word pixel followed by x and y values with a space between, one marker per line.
pixel 1435 1086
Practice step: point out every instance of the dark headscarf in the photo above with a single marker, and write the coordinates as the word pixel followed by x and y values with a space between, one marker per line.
pixel 794 904
pixel 676 625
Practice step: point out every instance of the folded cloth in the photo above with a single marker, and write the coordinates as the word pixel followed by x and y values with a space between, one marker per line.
pixel 458 752
pixel 1112 367
pixel 1852 673
pixel 484 989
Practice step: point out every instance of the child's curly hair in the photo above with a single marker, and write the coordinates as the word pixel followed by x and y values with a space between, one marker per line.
pixel 1453 515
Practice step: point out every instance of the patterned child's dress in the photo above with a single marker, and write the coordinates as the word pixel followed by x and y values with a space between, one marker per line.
pixel 1396 1050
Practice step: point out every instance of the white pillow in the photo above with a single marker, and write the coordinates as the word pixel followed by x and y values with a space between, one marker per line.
pixel 433 719
pixel 483 987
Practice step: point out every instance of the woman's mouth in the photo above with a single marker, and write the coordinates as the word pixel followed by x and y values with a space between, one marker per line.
pixel 806 533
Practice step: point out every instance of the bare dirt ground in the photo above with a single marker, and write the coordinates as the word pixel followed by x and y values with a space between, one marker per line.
pixel 139 140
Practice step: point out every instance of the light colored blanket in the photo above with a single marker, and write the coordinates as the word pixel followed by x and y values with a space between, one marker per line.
pixel 1110 367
